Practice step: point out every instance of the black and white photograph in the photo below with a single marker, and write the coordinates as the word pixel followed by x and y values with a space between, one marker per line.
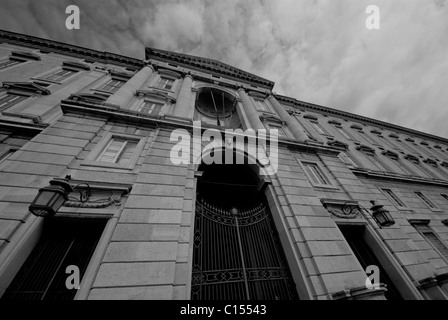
pixel 231 157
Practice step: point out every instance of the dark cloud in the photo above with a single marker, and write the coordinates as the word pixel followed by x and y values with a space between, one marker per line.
pixel 317 51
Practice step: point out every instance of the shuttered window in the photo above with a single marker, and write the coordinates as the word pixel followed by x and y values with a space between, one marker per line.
pixel 112 85
pixel 394 198
pixel 425 200
pixel 59 75
pixel 118 151
pixel 314 173
pixel 430 236
pixel 9 100
pixel 149 107
pixel 8 63
pixel 165 83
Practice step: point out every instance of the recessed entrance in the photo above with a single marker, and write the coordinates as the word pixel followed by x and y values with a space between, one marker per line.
pixel 237 253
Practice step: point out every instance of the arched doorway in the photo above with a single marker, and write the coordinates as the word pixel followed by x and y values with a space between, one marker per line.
pixel 237 253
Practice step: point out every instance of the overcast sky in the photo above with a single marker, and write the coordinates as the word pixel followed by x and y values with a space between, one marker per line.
pixel 314 50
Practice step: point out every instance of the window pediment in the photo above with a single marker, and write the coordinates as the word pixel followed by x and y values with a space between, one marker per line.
pixel 272 118
pixel 76 65
pixel 89 98
pixel 356 126
pixel 120 75
pixel 338 144
pixel 335 122
pixel 390 154
pixel 412 158
pixel 257 95
pixel 430 161
pixel 376 131
pixel 26 87
pixel 156 95
pixel 310 116
pixel 393 135
pixel 25 55
pixel 365 148
pixel 169 73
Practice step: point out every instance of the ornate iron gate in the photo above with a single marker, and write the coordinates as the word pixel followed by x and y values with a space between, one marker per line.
pixel 237 256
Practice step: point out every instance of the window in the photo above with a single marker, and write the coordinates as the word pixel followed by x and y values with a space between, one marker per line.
pixel 365 136
pixel 425 200
pixel 9 100
pixel 112 85
pixel 444 196
pixel 318 127
pixel 58 76
pixel 395 159
pixel 372 157
pixel 261 105
pixel 343 132
pixel 347 159
pixel 64 242
pixel 8 63
pixel 118 151
pixel 165 83
pixel 150 107
pixel 394 198
pixel 6 155
pixel 315 174
pixel 432 239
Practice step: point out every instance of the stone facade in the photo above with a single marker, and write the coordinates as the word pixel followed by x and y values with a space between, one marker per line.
pixel 145 251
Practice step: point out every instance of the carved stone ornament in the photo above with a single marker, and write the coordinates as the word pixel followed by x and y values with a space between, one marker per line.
pixel 345 209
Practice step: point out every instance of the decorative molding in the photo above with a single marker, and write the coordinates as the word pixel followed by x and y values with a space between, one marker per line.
pixel 360 293
pixel 95 196
pixel 23 55
pixel 27 87
pixel 338 144
pixel 390 154
pixel 351 116
pixel 49 46
pixel 411 157
pixel 346 209
pixel 310 116
pixel 419 221
pixel 76 65
pixel 365 148
pixel 207 65
pixel 336 122
pixel 356 126
pixel 426 283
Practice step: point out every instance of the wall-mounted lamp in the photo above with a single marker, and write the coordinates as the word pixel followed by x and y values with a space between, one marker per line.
pixel 51 198
pixel 381 215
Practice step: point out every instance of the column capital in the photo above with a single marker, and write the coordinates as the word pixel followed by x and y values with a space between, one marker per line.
pixel 187 74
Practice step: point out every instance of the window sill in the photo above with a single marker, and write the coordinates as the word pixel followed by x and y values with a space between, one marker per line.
pixel 91 163
pixel 46 81
pixel 325 186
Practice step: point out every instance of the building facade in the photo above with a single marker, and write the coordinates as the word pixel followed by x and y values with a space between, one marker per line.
pixel 139 225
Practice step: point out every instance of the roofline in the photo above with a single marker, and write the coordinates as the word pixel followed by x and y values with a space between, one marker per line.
pixel 353 116
pixel 47 45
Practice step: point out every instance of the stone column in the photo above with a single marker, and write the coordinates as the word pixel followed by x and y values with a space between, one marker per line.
pixel 250 110
pixel 291 123
pixel 124 94
pixel 183 102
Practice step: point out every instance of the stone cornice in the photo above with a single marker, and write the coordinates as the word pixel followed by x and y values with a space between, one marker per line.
pixel 397 177
pixel 67 49
pixel 135 118
pixel 351 116
pixel 208 65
